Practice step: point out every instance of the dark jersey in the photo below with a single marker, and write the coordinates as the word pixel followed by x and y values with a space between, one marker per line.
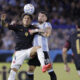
pixel 74 43
pixel 24 39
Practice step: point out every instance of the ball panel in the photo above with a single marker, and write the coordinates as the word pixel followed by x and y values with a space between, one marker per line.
pixel 29 9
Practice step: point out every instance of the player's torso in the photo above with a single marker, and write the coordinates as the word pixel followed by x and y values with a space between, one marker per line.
pixel 75 43
pixel 40 40
pixel 23 38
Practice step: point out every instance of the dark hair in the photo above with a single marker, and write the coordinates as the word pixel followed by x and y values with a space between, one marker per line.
pixel 28 15
pixel 44 12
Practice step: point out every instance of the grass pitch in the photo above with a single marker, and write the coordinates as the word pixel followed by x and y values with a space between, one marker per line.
pixel 58 68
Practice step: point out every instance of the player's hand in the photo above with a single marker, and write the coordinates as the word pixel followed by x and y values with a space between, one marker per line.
pixel 13 22
pixel 3 17
pixel 67 68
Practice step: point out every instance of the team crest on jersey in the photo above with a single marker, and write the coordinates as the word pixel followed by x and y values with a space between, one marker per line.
pixel 26 33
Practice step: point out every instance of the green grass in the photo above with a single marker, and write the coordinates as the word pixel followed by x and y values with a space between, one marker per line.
pixel 58 68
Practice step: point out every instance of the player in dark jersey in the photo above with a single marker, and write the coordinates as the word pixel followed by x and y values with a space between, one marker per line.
pixel 73 43
pixel 24 38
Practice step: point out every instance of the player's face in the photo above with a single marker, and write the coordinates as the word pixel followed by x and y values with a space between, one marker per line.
pixel 26 20
pixel 42 18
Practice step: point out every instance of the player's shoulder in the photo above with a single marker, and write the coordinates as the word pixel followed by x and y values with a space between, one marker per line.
pixel 48 24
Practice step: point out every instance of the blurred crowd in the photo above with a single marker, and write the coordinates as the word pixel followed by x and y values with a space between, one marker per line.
pixel 61 12
pixel 58 38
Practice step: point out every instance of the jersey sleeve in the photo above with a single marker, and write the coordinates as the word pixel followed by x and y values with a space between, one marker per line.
pixel 68 44
pixel 14 27
pixel 48 25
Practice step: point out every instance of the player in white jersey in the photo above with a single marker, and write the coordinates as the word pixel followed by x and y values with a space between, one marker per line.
pixel 41 40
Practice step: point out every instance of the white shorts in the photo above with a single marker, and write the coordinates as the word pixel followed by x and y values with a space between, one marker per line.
pixel 19 57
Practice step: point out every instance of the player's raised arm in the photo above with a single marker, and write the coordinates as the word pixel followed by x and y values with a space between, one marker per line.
pixel 36 31
pixel 3 18
pixel 11 26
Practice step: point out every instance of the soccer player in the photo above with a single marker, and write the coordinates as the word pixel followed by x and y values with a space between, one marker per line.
pixel 73 43
pixel 24 37
pixel 41 40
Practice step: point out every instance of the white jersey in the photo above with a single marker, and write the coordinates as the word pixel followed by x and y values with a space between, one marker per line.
pixel 41 40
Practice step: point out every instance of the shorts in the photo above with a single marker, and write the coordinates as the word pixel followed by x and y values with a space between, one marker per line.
pixel 35 61
pixel 77 62
pixel 19 57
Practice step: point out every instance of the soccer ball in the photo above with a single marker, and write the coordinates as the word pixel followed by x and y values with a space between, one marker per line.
pixel 29 9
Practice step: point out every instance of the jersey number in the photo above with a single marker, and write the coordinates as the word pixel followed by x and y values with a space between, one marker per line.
pixel 78 45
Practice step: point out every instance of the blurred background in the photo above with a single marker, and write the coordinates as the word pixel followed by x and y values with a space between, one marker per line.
pixel 64 15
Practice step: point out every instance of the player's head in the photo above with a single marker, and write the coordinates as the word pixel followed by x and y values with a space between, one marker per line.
pixel 26 19
pixel 78 25
pixel 42 16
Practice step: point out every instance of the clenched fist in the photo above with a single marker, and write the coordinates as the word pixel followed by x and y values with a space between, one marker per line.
pixel 3 17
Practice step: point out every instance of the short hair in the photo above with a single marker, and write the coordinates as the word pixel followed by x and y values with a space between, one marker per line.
pixel 44 12
pixel 24 14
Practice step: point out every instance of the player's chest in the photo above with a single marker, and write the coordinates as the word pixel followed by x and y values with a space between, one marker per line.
pixel 41 26
pixel 23 32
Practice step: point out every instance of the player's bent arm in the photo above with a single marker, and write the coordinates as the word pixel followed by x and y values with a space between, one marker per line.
pixel 36 31
pixel 47 32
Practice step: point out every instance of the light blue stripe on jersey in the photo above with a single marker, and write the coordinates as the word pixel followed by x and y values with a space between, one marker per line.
pixel 35 42
pixel 44 44
pixel 44 41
